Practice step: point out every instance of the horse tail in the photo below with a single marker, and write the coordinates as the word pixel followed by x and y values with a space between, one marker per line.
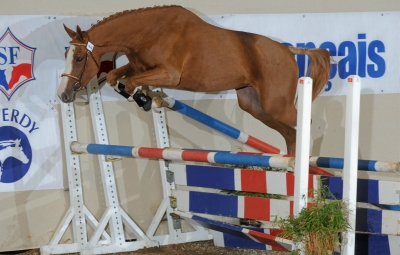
pixel 318 69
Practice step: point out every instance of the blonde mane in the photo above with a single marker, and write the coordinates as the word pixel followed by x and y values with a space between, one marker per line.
pixel 118 14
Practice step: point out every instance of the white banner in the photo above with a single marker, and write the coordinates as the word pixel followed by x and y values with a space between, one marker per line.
pixel 360 43
pixel 30 154
pixel 30 145
pixel 365 44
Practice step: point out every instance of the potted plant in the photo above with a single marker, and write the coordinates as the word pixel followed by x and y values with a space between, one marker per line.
pixel 317 227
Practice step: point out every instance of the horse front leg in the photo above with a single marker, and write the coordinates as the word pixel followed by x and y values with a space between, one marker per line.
pixel 157 77
pixel 144 97
pixel 119 73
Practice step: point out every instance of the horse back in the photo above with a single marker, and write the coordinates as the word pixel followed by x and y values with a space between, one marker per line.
pixel 207 57
pixel 226 59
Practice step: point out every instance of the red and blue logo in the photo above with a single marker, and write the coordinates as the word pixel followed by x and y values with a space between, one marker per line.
pixel 16 63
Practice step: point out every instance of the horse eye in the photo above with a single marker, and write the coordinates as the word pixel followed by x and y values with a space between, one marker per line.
pixel 79 59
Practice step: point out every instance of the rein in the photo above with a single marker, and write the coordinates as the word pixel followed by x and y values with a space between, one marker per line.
pixel 78 78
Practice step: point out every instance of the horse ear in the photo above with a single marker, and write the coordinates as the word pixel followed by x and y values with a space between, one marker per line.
pixel 79 33
pixel 70 32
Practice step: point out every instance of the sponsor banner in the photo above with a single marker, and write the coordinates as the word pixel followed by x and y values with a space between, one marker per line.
pixel 365 44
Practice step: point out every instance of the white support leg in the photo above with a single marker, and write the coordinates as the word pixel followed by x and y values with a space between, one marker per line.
pixel 76 212
pixel 106 169
pixel 114 216
pixel 351 157
pixel 304 88
pixel 175 235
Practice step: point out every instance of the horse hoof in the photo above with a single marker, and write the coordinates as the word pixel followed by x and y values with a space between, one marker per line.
pixel 147 106
pixel 115 86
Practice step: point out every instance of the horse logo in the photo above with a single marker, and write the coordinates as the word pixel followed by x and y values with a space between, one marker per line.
pixel 16 63
pixel 15 154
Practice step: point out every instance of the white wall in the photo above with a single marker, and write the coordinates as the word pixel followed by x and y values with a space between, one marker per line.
pixel 207 7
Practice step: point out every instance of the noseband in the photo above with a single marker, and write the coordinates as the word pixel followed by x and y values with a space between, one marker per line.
pixel 79 77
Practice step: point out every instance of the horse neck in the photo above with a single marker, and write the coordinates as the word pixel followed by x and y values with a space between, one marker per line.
pixel 120 34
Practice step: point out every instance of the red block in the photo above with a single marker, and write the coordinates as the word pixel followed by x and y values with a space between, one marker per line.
pixel 257 208
pixel 310 185
pixel 253 181
pixel 290 184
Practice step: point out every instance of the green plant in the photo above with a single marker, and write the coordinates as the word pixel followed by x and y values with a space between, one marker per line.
pixel 318 226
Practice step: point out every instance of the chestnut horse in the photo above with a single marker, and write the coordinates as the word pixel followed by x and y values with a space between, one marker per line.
pixel 171 47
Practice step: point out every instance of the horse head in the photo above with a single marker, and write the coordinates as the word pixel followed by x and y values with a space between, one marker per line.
pixel 18 152
pixel 81 65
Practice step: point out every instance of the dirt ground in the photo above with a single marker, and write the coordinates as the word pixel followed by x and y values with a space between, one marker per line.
pixel 195 248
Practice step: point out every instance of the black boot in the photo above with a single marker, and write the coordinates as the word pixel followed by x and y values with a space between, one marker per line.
pixel 140 98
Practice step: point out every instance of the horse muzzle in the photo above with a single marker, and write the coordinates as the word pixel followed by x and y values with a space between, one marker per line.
pixel 65 92
pixel 65 98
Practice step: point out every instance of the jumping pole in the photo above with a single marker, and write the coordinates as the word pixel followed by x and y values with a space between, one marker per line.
pixel 183 155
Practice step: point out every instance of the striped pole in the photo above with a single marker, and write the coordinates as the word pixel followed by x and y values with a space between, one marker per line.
pixel 245 233
pixel 231 158
pixel 366 165
pixel 230 131
pixel 211 122
pixel 329 162
pixel 183 155
pixel 221 126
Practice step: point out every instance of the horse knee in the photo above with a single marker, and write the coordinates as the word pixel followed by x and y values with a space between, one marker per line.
pixel 284 114
pixel 290 119
pixel 244 105
pixel 112 78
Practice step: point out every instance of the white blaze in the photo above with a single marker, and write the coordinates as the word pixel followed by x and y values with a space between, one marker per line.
pixel 68 70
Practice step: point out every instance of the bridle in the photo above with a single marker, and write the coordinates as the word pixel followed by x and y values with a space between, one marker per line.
pixel 78 85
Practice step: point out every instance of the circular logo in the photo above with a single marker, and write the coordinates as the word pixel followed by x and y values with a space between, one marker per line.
pixel 15 154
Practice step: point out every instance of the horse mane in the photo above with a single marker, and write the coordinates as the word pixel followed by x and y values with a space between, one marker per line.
pixel 118 14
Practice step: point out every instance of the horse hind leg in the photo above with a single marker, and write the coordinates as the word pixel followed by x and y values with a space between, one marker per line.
pixel 249 101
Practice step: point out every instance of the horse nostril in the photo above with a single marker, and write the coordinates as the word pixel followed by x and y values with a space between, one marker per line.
pixel 64 97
